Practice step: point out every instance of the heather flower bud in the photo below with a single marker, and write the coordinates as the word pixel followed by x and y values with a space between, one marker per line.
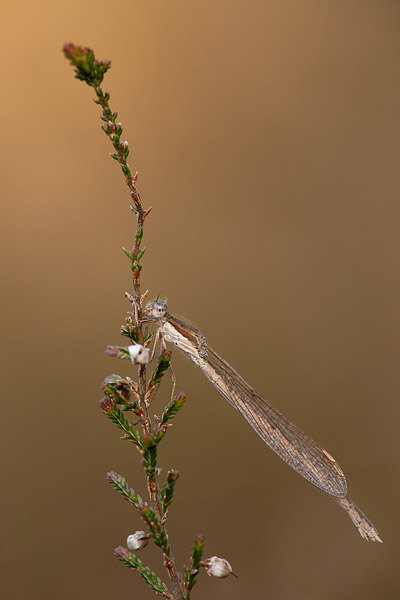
pixel 137 540
pixel 106 405
pixel 139 354
pixel 121 552
pixel 217 567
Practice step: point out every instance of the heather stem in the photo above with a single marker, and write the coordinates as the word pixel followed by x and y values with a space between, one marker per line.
pixel 92 71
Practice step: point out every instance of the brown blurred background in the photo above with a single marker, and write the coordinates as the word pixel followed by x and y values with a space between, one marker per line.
pixel 267 138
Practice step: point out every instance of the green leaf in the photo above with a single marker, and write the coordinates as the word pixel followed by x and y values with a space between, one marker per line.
pixel 197 554
pixel 129 254
pixel 130 330
pixel 173 407
pixel 87 68
pixel 156 530
pixel 116 416
pixel 126 170
pixel 197 551
pixel 118 482
pixel 162 367
pixel 139 256
pixel 149 443
pixel 139 234
pixel 133 562
pixel 167 491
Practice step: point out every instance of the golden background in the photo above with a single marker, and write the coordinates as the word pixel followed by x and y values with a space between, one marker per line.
pixel 267 137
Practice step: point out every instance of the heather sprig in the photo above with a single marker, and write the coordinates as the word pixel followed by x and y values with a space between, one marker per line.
pixel 195 560
pixel 133 562
pixel 123 394
pixel 118 482
pixel 167 490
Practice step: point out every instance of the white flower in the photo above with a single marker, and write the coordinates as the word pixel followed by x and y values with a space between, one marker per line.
pixel 137 540
pixel 217 567
pixel 139 354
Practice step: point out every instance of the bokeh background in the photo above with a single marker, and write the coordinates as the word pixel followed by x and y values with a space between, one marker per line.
pixel 267 138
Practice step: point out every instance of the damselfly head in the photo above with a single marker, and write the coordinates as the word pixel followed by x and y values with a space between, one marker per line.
pixel 156 309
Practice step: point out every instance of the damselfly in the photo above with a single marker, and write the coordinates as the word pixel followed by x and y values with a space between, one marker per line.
pixel 289 442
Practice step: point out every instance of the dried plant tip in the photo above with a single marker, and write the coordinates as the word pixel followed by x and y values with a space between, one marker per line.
pixel 198 538
pixel 143 297
pixel 133 384
pixel 139 354
pixel 106 405
pixel 133 209
pixel 147 212
pixel 136 276
pixel 121 552
pixel 115 387
pixel 130 297
pixel 111 350
pixel 217 567
pixel 137 540
pixel 135 196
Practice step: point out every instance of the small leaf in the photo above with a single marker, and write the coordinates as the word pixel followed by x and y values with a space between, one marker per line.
pixel 139 234
pixel 126 170
pixel 129 254
pixel 130 331
pixel 139 256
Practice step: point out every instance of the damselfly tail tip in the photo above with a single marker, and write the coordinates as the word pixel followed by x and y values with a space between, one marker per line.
pixel 367 531
pixel 365 528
